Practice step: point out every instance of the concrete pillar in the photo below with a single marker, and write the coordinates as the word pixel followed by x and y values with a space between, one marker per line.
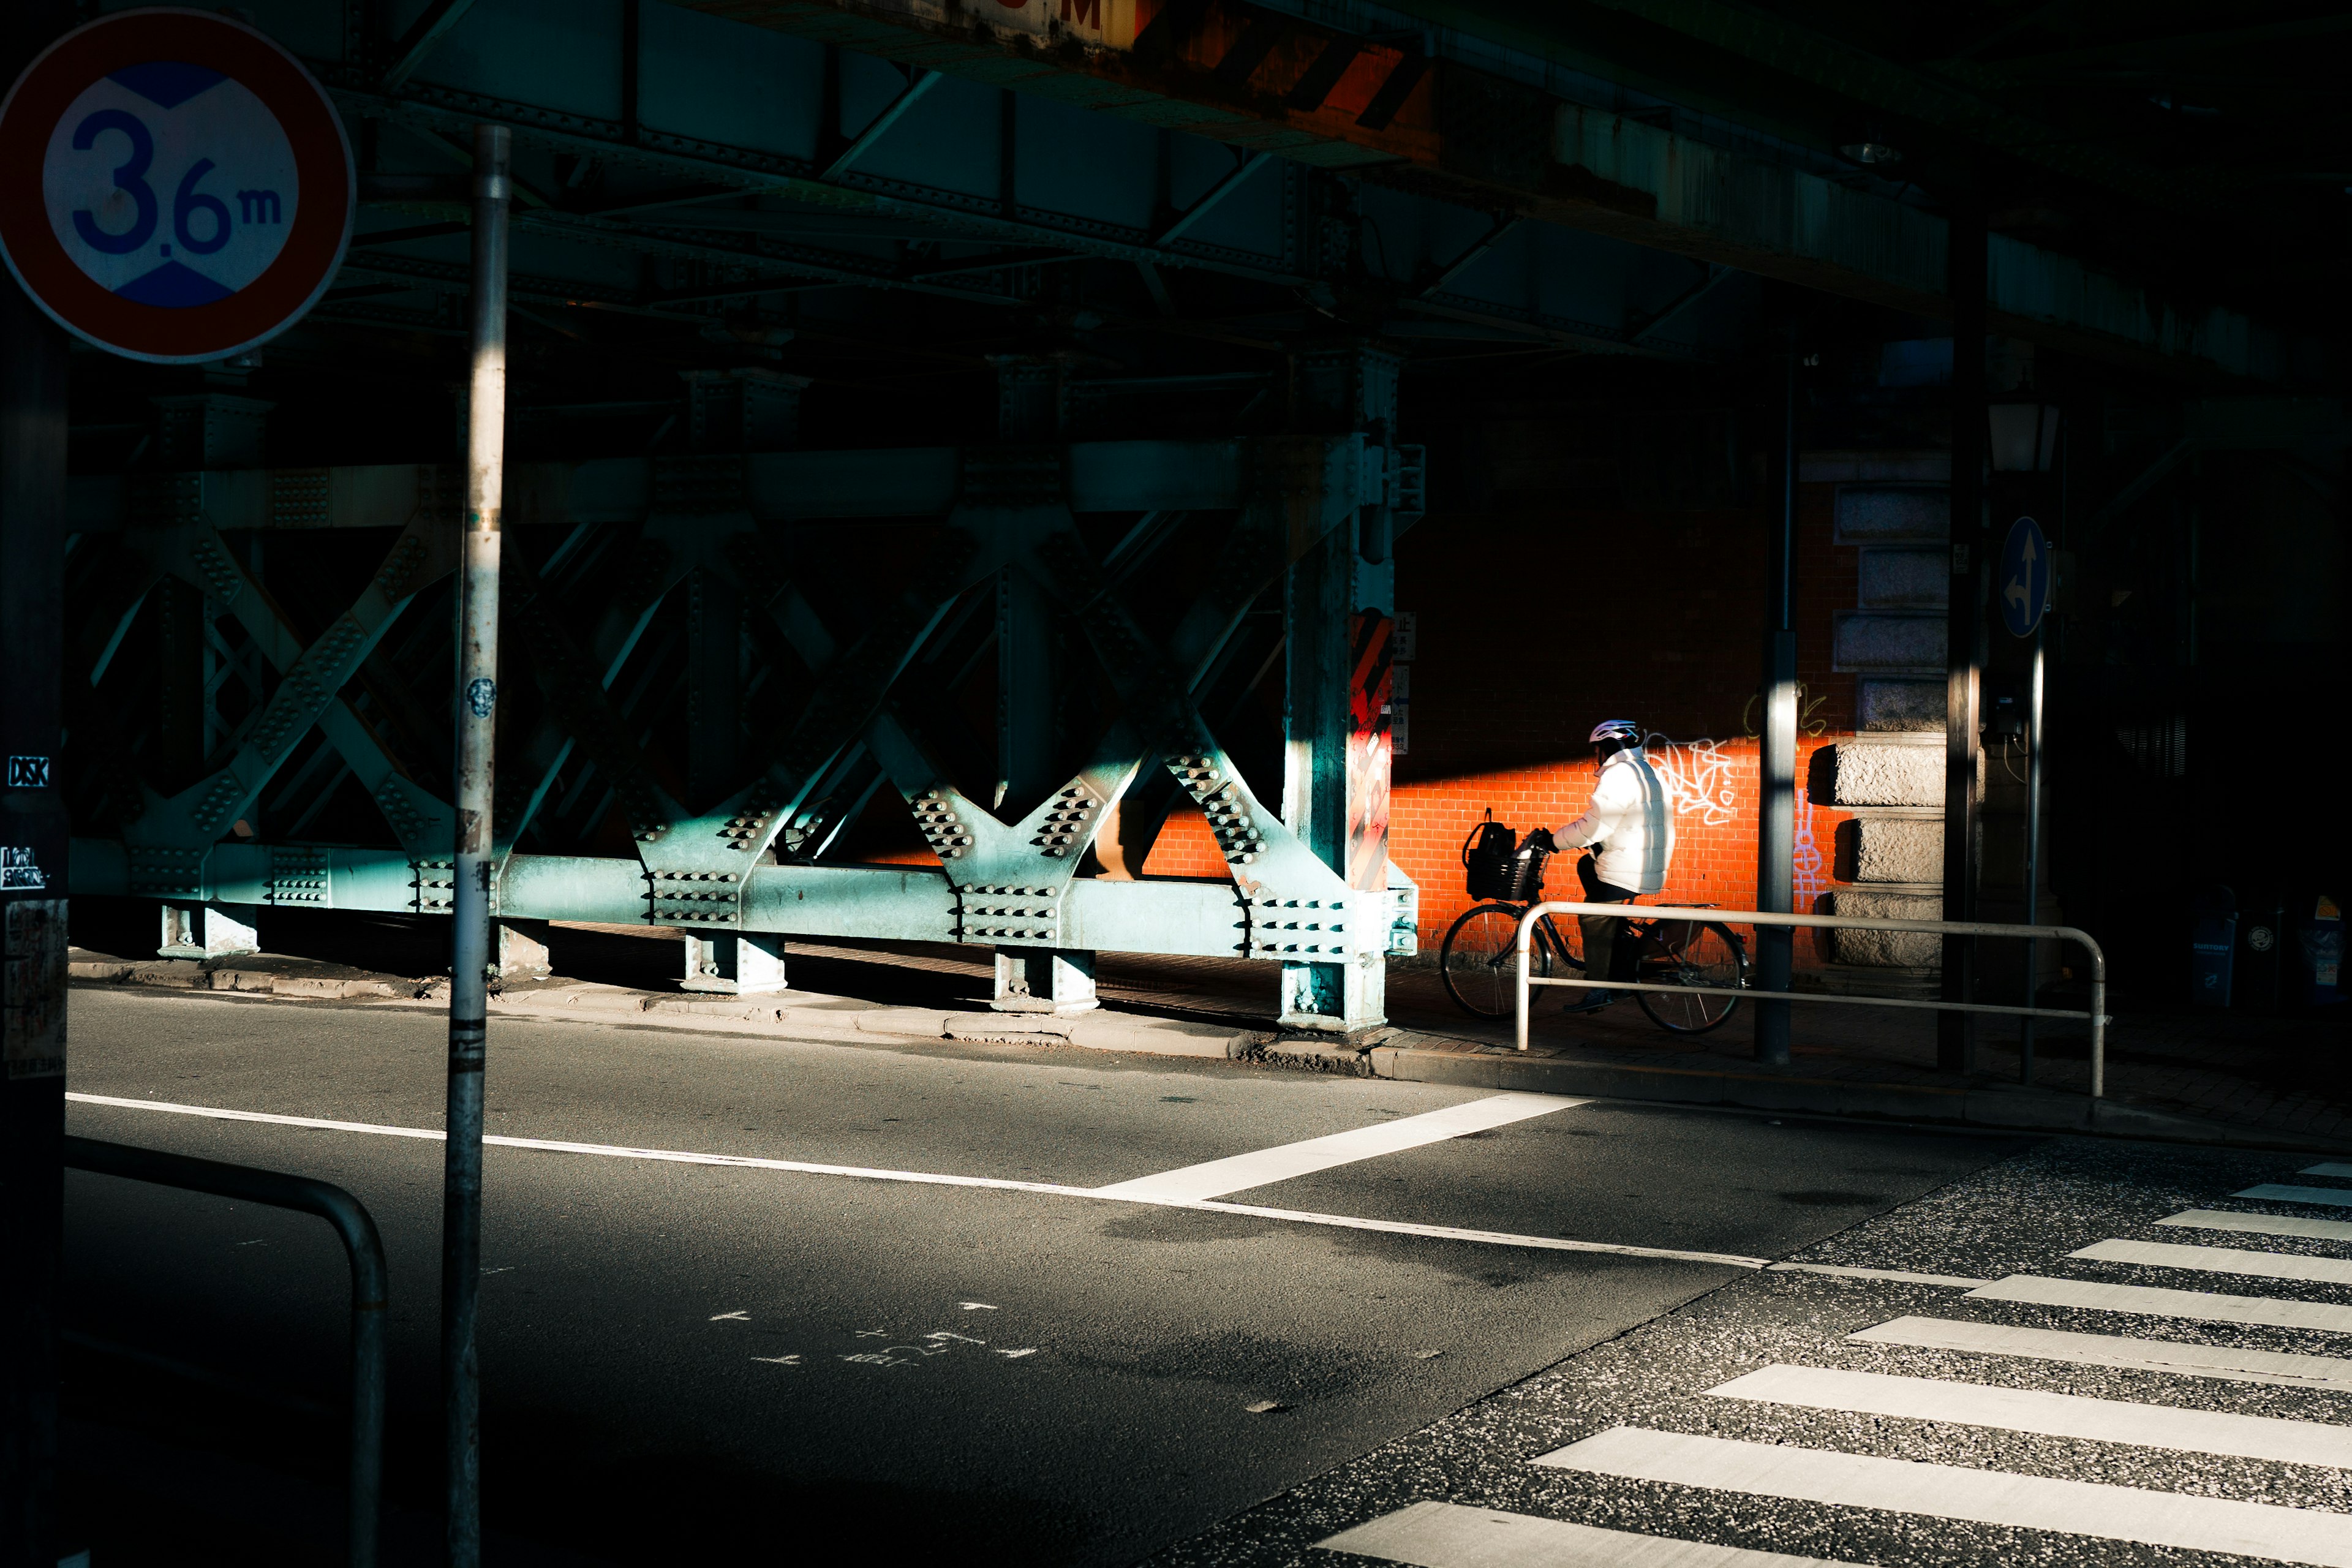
pixel 207 929
pixel 523 951
pixel 734 964
pixel 1044 980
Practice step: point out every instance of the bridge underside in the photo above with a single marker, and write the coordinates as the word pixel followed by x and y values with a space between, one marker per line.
pixel 929 472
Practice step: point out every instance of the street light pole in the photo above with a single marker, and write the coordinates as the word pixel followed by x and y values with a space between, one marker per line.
pixel 478 695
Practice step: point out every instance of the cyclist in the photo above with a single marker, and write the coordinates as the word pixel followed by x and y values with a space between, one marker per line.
pixel 1631 826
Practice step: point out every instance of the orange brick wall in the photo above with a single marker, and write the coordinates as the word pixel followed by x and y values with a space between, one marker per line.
pixel 1532 628
pixel 1715 829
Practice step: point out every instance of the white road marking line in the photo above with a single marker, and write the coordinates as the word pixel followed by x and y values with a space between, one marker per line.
pixel 779 1360
pixel 1846 1271
pixel 975 1306
pixel 2153 1302
pixel 2262 1223
pixel 2050 1413
pixel 1449 1535
pixel 745 1161
pixel 737 1317
pixel 2332 1168
pixel 2282 1367
pixel 1952 1491
pixel 1262 1167
pixel 2221 1260
pixel 2278 1193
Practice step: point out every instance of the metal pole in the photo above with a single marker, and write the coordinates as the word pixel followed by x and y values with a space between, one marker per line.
pixel 2098 1023
pixel 1956 1040
pixel 1775 836
pixel 33 840
pixel 1765 918
pixel 478 695
pixel 370 1289
pixel 1527 930
pixel 2032 848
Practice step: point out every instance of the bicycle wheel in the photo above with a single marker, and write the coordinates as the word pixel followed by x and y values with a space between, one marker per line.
pixel 1479 964
pixel 1685 952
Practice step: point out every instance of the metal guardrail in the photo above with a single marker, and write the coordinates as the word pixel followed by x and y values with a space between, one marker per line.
pixel 369 1289
pixel 2097 1014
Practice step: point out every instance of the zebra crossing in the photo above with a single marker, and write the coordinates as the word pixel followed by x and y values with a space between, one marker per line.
pixel 2128 1400
pixel 2085 1512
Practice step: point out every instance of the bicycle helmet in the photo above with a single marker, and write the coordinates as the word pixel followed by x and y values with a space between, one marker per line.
pixel 1623 730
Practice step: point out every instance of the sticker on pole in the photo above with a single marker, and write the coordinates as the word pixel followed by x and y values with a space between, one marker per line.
pixel 2026 570
pixel 173 186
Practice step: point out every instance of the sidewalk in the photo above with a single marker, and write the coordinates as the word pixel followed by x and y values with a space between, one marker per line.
pixel 2225 1078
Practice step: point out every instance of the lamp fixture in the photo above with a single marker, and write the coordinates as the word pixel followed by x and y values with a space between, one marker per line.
pixel 2022 438
pixel 1872 153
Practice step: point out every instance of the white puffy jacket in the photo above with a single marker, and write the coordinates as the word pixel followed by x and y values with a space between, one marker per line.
pixel 1632 817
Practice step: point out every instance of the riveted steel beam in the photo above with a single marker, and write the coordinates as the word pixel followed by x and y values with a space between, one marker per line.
pixel 1480 138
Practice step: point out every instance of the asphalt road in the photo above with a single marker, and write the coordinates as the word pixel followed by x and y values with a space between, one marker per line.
pixel 696 1362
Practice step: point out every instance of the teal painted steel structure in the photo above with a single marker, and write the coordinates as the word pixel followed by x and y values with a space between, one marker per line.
pixel 1314 510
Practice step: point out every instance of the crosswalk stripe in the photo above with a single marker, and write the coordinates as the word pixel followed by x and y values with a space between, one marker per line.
pixel 2262 1223
pixel 2050 1413
pixel 2284 1367
pixel 1951 1491
pixel 2278 1193
pixel 2332 1168
pixel 2152 1301
pixel 2221 1260
pixel 1264 1167
pixel 1450 1535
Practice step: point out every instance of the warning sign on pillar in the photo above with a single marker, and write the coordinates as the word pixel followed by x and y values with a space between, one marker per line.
pixel 173 186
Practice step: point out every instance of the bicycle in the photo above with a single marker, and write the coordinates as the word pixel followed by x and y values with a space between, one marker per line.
pixel 1479 962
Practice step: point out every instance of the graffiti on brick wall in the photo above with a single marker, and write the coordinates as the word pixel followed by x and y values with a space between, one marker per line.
pixel 1809 860
pixel 1698 777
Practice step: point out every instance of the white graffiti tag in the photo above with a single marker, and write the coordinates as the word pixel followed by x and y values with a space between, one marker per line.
pixel 1698 776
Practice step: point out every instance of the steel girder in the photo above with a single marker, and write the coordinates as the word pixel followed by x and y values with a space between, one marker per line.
pixel 1343 84
pixel 730 840
pixel 764 163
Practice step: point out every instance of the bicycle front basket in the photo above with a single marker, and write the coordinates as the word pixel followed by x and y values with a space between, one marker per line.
pixel 1523 876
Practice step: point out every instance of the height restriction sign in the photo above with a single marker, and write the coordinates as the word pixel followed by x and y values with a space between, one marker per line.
pixel 173 186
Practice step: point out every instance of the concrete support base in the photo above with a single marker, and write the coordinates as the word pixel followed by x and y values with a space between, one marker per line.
pixel 1044 980
pixel 206 931
pixel 523 951
pixel 734 964
pixel 1336 998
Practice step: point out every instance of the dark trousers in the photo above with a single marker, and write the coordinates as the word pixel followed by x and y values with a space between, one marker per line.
pixel 1601 960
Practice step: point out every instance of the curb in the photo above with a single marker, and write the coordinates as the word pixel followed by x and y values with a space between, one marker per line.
pixel 802 1013
pixel 186 975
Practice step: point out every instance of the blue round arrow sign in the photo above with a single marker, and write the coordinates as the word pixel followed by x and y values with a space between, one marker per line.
pixel 2026 572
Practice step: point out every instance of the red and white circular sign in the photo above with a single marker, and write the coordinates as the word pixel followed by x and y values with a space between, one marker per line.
pixel 174 186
